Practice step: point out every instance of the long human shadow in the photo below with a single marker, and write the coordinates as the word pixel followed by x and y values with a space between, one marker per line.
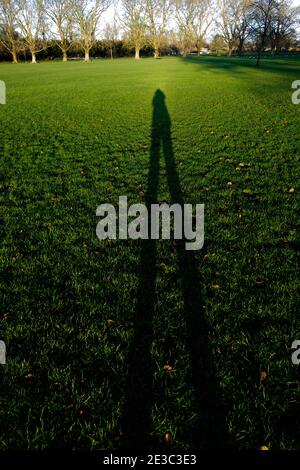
pixel 210 430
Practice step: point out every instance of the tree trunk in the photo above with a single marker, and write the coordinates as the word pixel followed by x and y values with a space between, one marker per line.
pixel 111 53
pixel 14 57
pixel 86 55
pixel 156 53
pixel 241 47
pixel 65 56
pixel 258 59
pixel 33 57
pixel 137 53
pixel 261 48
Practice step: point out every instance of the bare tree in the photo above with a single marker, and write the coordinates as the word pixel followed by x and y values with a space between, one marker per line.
pixel 157 17
pixel 185 11
pixel 110 36
pixel 263 14
pixel 134 24
pixel 284 25
pixel 218 43
pixel 233 23
pixel 87 15
pixel 9 37
pixel 227 23
pixel 205 12
pixel 243 26
pixel 59 13
pixel 31 22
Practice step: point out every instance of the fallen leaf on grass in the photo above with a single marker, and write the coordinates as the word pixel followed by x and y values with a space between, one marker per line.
pixel 29 377
pixel 260 282
pixel 209 255
pixel 263 376
pixel 247 192
pixel 245 165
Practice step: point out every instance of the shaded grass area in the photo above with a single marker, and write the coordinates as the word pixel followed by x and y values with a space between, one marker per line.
pixel 90 326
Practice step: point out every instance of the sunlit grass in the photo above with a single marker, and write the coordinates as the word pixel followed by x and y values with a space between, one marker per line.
pixel 74 136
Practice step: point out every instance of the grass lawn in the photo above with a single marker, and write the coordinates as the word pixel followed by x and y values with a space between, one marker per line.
pixel 112 344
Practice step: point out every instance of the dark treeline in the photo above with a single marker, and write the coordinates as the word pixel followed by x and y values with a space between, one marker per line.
pixel 99 50
pixel 120 49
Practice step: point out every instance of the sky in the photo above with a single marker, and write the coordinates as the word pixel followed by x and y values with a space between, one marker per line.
pixel 109 14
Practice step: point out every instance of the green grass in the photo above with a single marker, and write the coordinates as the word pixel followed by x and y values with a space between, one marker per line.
pixel 74 136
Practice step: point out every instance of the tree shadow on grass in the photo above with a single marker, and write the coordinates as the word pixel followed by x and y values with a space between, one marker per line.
pixel 244 65
pixel 211 429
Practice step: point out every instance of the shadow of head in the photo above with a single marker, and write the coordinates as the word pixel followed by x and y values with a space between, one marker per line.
pixel 158 98
pixel 161 118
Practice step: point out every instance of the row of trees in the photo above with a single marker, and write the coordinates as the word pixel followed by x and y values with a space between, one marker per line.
pixel 29 24
pixel 269 23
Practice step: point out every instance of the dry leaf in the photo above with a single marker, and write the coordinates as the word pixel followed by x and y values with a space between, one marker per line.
pixel 29 377
pixel 216 286
pixel 263 376
pixel 247 191
pixel 260 282
pixel 209 255
pixel 167 438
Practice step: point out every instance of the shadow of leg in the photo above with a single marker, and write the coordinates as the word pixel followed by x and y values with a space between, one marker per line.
pixel 211 430
pixel 137 422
